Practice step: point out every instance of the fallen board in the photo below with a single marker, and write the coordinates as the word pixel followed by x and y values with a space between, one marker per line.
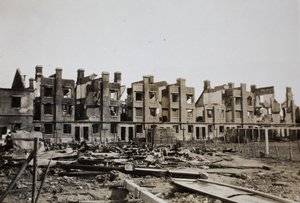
pixel 226 192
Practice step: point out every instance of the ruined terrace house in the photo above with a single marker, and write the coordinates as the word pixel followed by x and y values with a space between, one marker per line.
pixel 98 107
pixel 267 109
pixel 143 109
pixel 210 110
pixel 289 108
pixel 16 105
pixel 178 109
pixel 54 106
pixel 239 105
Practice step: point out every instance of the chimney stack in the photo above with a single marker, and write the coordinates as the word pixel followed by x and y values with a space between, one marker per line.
pixel 38 71
pixel 31 82
pixel 118 78
pixel 206 85
pixel 253 88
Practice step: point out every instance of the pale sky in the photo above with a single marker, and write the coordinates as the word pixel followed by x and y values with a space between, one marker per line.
pixel 240 41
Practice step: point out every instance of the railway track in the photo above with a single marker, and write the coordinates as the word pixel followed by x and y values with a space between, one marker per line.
pixel 226 192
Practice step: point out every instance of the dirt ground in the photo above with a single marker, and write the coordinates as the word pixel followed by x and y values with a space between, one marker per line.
pixel 278 177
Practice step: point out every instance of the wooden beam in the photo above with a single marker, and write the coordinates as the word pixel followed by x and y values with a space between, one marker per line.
pixel 16 178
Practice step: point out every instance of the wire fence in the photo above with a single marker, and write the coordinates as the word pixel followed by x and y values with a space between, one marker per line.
pixel 282 144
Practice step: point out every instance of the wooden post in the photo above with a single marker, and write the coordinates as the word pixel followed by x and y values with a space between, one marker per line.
pixel 248 148
pixel 276 150
pixel 34 175
pixel 239 143
pixel 266 142
pixel 291 151
pixel 245 142
pixel 42 183
pixel 255 150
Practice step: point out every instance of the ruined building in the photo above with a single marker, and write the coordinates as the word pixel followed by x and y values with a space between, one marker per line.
pixel 54 105
pixel 156 113
pixel 98 107
pixel 227 107
pixel 16 105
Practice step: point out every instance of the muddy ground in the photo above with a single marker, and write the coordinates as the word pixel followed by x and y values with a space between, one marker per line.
pixel 278 177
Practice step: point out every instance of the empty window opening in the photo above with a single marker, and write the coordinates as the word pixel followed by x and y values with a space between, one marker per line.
pixel 67 128
pixel 189 98
pixel 176 127
pixel 261 98
pixel 175 97
pixel 48 129
pixel 38 129
pixel 95 128
pixel 189 113
pixel 123 133
pixel 48 109
pixel 139 128
pixel 67 92
pixel 210 128
pixel 139 111
pixel 238 101
pixel 210 113
pixel 67 109
pixel 153 112
pixel 16 102
pixel 221 129
pixel 175 113
pixel 249 101
pixel 48 92
pixel 250 114
pixel 113 94
pixel 113 128
pixel 190 128
pixel 114 111
pixel 152 96
pixel 139 96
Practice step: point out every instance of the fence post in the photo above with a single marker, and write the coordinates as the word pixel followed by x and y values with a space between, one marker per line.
pixel 276 150
pixel 266 142
pixel 291 151
pixel 34 175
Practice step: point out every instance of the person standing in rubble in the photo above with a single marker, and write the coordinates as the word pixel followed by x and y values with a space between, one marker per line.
pixel 9 143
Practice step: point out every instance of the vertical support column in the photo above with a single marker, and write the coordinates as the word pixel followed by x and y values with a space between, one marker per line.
pixel 267 141
pixel 34 175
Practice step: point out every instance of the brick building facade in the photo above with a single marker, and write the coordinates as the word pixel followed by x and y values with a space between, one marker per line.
pixel 92 108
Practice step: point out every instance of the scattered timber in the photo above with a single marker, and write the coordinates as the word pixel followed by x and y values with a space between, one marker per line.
pixel 142 193
pixel 226 192
pixel 136 171
pixel 238 167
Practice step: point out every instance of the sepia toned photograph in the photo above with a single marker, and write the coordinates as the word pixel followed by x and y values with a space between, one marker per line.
pixel 169 101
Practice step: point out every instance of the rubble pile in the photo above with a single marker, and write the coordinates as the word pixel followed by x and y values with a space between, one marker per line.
pixel 87 172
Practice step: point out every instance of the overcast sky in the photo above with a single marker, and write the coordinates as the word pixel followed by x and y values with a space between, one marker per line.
pixel 240 41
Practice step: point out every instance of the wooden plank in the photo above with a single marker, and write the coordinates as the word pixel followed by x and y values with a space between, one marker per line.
pixel 142 193
pixel 279 199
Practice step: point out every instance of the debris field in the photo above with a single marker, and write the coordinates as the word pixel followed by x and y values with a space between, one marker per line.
pixel 89 172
